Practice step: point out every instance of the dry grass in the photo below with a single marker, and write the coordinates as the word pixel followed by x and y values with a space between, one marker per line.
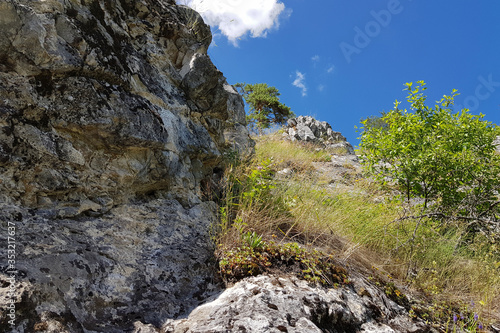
pixel 288 155
pixel 356 224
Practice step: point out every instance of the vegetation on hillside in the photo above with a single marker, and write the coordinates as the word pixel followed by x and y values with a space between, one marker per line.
pixel 302 223
pixel 447 159
pixel 265 106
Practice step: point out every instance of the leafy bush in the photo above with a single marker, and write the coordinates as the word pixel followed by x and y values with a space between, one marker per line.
pixel 446 158
pixel 258 183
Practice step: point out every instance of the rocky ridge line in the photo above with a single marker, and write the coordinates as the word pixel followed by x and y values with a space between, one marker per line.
pixel 308 129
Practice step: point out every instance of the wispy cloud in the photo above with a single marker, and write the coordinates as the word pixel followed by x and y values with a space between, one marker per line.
pixel 321 87
pixel 237 18
pixel 330 69
pixel 299 82
pixel 315 58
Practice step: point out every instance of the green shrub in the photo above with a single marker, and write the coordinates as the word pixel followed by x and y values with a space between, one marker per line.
pixel 446 158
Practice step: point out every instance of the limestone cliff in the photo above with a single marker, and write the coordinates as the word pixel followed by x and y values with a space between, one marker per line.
pixel 112 121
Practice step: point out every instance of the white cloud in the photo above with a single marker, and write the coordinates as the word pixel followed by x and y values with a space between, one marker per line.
pixel 299 82
pixel 236 18
pixel 330 69
pixel 315 58
pixel 321 87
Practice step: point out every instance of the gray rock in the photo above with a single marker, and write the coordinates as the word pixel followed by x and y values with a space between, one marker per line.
pixel 236 132
pixel 276 304
pixel 147 260
pixel 309 129
pixel 346 160
pixel 122 97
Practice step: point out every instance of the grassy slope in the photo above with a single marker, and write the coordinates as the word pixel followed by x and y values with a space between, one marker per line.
pixel 357 222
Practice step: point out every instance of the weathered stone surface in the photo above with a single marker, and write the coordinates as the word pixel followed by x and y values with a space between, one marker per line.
pixel 308 129
pixel 147 260
pixel 96 85
pixel 275 304
pixel 112 119
pixel 236 132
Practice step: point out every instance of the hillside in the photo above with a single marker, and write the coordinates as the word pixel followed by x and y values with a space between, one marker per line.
pixel 305 219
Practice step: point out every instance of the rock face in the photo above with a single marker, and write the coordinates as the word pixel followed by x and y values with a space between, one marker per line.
pixel 113 120
pixel 309 129
pixel 274 304
pixel 122 94
pixel 142 261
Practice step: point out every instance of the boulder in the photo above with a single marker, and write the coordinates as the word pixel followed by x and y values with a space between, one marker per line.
pixel 283 304
pixel 308 129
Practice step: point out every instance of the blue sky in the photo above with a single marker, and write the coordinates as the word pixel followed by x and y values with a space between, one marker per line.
pixel 340 61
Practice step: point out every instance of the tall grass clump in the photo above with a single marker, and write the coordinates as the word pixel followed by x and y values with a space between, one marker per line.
pixel 250 238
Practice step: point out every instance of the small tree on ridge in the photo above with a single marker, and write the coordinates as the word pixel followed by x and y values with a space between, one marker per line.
pixel 265 106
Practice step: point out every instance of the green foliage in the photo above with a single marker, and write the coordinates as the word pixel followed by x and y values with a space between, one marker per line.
pixel 259 183
pixel 247 190
pixel 253 240
pixel 376 122
pixel 311 265
pixel 265 106
pixel 446 158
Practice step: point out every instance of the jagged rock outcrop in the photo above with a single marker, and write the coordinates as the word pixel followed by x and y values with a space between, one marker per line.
pixel 276 304
pixel 308 129
pixel 113 120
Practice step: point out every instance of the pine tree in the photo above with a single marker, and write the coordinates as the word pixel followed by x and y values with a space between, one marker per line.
pixel 265 106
